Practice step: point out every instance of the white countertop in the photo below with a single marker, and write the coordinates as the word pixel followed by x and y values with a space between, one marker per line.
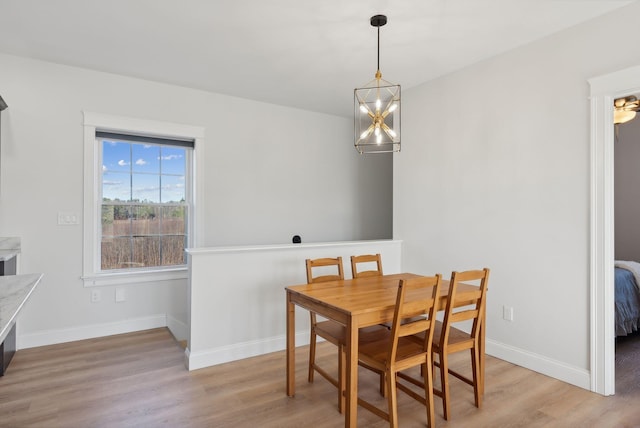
pixel 14 292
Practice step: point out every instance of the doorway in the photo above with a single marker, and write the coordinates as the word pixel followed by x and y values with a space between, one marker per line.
pixel 604 90
pixel 626 248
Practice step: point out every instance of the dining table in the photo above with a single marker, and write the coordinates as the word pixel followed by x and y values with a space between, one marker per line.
pixel 358 303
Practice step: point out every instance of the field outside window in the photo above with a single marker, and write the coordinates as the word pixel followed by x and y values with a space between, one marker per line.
pixel 144 208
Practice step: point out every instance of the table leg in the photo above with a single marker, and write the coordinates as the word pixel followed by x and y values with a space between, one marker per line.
pixel 291 347
pixel 351 413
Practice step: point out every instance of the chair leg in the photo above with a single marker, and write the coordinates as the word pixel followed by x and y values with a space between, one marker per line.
pixel 312 351
pixel 392 398
pixel 342 378
pixel 428 392
pixel 475 367
pixel 444 381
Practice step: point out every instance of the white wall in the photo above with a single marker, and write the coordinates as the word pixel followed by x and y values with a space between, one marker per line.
pixel 627 191
pixel 271 172
pixel 495 172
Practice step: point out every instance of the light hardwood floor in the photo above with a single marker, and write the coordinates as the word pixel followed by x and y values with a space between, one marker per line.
pixel 139 379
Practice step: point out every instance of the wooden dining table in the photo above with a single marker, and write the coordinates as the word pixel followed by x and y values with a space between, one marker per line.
pixel 358 303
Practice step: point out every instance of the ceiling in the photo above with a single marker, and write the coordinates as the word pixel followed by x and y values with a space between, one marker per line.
pixel 299 53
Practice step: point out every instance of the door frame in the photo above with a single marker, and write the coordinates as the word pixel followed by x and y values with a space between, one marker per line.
pixel 604 90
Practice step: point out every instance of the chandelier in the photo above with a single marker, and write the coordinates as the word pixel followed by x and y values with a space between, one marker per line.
pixel 377 110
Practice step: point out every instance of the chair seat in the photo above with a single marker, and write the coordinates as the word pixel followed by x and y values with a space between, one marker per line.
pixel 374 350
pixel 458 339
pixel 336 333
pixel 332 331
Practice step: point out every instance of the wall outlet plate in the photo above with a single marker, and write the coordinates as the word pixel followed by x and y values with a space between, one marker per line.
pixel 68 218
pixel 120 296
pixel 507 313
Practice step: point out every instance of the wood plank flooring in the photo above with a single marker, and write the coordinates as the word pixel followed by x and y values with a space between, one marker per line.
pixel 139 380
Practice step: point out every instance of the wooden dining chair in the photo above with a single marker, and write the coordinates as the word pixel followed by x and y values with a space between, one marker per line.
pixel 397 350
pixel 448 339
pixel 329 330
pixel 366 260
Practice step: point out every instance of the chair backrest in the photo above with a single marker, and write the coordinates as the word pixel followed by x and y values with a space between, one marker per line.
pixel 415 315
pixel 471 306
pixel 321 263
pixel 367 258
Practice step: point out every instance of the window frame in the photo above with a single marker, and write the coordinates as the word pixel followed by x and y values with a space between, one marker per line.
pixel 92 274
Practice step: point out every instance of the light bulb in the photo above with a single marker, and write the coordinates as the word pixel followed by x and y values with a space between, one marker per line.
pixel 378 104
pixel 623 116
pixel 392 107
pixel 379 139
pixel 363 108
pixel 377 131
pixel 364 134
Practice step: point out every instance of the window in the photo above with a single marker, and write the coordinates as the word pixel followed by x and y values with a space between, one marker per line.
pixel 145 208
pixel 140 192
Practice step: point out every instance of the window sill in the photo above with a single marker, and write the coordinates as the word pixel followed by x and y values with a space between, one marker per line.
pixel 120 278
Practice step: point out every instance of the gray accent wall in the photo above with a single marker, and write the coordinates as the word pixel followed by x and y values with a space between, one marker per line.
pixel 627 191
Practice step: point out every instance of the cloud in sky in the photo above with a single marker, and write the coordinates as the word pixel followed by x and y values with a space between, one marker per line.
pixel 111 183
pixel 172 186
pixel 141 162
pixel 170 157
pixel 122 162
pixel 104 168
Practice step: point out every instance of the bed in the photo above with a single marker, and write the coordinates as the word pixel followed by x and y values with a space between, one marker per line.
pixel 627 297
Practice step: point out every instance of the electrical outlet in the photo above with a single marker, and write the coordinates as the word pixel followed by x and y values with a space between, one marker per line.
pixel 96 296
pixel 507 313
pixel 120 297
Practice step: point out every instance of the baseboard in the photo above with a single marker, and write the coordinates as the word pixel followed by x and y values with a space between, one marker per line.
pixel 52 337
pixel 541 364
pixel 239 351
pixel 179 329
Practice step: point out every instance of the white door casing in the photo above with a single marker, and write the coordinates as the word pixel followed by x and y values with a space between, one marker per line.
pixel 604 90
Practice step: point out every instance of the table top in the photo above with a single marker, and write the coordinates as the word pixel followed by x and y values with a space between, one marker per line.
pixel 14 292
pixel 371 294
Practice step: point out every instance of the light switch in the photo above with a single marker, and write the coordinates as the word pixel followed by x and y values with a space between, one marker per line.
pixel 68 218
pixel 507 313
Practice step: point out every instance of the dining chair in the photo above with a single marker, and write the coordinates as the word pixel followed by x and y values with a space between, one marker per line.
pixel 329 330
pixel 396 350
pixel 366 260
pixel 448 339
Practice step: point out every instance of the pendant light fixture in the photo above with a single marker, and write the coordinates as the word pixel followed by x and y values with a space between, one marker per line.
pixel 377 110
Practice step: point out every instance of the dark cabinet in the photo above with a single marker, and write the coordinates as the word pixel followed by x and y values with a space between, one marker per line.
pixel 8 346
pixel 8 267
